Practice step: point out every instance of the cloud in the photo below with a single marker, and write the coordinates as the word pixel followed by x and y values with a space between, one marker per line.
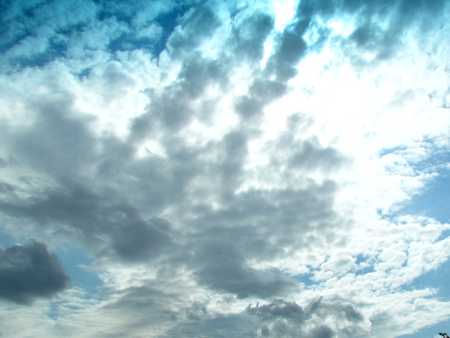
pixel 250 32
pixel 231 325
pixel 223 268
pixel 319 319
pixel 291 48
pixel 36 145
pixel 144 304
pixel 32 34
pixel 312 155
pixel 264 91
pixel 212 154
pixel 90 217
pixel 195 26
pixel 28 272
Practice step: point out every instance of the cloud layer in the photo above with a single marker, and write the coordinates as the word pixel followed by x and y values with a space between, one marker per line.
pixel 209 156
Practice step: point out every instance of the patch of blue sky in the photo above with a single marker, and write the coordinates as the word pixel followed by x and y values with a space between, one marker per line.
pixel 432 201
pixel 54 46
pixel 7 42
pixel 436 98
pixel 84 73
pixel 364 265
pixel 436 279
pixel 433 279
pixel 439 160
pixel 387 151
pixel 75 260
pixel 123 16
pixel 129 42
pixel 55 50
pixel 36 51
pixel 7 240
pixel 429 331
pixel 168 21
pixel 306 279
pixel 360 259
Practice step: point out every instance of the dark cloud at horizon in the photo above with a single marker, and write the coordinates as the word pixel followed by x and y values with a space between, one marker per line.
pixel 222 268
pixel 28 272
pixel 283 318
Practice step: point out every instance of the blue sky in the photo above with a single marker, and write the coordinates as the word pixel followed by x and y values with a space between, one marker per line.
pixel 224 168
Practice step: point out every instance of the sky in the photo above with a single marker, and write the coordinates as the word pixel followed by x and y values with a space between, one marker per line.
pixel 239 168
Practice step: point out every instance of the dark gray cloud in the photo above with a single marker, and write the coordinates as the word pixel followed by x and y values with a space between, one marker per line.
pixel 195 26
pixel 235 148
pixel 223 268
pixel 344 310
pixel 58 142
pixel 61 147
pixel 199 73
pixel 261 92
pixel 175 106
pixel 146 306
pixel 28 272
pixel 145 299
pixel 280 309
pixel 305 154
pixel 223 326
pixel 142 310
pixel 322 331
pixel 111 209
pixel 312 155
pixel 249 35
pixel 110 225
pixel 3 163
pixel 248 107
pixel 282 318
pixel 290 49
pixel 258 226
pixel 172 108
pixel 97 214
pixel 382 39
pixel 265 91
